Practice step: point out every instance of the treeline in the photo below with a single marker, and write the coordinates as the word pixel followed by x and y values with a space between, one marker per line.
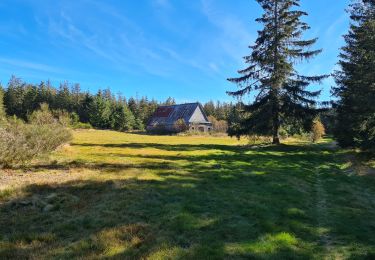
pixel 103 110
pixel 218 110
pixel 21 142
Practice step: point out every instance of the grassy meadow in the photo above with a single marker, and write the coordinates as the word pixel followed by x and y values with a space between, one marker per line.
pixel 132 196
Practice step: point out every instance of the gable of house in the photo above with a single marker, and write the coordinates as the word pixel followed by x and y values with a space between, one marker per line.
pixel 198 116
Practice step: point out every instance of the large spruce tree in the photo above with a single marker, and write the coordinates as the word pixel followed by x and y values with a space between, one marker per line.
pixel 356 80
pixel 280 91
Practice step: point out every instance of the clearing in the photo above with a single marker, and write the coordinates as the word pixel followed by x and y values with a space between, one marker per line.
pixel 132 196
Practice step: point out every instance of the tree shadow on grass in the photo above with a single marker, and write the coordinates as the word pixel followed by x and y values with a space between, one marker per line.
pixel 135 219
pixel 258 205
pixel 167 147
pixel 233 159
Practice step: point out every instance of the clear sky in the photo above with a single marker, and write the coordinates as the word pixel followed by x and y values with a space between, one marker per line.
pixel 180 48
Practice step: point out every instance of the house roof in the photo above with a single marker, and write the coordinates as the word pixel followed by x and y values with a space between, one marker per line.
pixel 168 115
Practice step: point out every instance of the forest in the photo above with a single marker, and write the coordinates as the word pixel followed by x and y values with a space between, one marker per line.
pixel 103 110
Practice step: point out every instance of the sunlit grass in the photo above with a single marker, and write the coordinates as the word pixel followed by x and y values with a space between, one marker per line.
pixel 131 196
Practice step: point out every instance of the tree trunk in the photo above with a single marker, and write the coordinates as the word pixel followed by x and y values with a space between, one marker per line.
pixel 276 121
pixel 276 139
pixel 276 126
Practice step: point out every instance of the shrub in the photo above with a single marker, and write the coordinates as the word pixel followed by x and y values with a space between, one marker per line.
pixel 317 130
pixel 20 142
pixel 81 125
pixel 257 139
pixel 74 118
pixel 42 116
pixel 220 126
pixel 283 133
pixel 180 126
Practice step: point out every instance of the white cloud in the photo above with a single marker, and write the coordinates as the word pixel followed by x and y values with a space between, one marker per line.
pixel 234 37
pixel 30 65
pixel 337 24
pixel 213 66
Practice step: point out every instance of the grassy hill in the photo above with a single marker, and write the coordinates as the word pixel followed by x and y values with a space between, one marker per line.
pixel 117 195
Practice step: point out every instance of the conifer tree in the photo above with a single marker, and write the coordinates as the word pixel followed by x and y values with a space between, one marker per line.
pixel 356 80
pixel 100 111
pixel 280 91
pixel 14 97
pixel 209 108
pixel 235 119
pixel 170 101
pixel 122 119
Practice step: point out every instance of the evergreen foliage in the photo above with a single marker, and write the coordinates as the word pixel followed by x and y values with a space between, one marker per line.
pixel 219 110
pixel 356 80
pixel 100 111
pixel 70 105
pixel 280 91
pixel 122 119
pixel 169 102
pixel 235 121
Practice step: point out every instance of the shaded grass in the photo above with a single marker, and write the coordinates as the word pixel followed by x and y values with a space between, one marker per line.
pixel 190 197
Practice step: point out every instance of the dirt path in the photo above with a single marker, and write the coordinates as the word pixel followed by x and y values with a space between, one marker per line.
pixel 322 216
pixel 326 238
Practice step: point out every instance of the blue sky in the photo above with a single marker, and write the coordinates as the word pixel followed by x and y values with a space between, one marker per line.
pixel 159 48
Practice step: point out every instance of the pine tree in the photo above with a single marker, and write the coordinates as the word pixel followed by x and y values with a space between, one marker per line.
pixel 14 97
pixel 133 106
pixel 235 119
pixel 45 94
pixel 170 101
pixel 30 100
pixel 356 80
pixel 84 108
pixel 209 108
pixel 64 100
pixel 100 112
pixel 122 119
pixel 280 91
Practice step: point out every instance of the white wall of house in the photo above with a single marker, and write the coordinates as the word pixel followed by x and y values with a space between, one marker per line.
pixel 197 116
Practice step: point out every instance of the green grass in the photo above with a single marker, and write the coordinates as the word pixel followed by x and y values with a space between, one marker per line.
pixel 132 196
